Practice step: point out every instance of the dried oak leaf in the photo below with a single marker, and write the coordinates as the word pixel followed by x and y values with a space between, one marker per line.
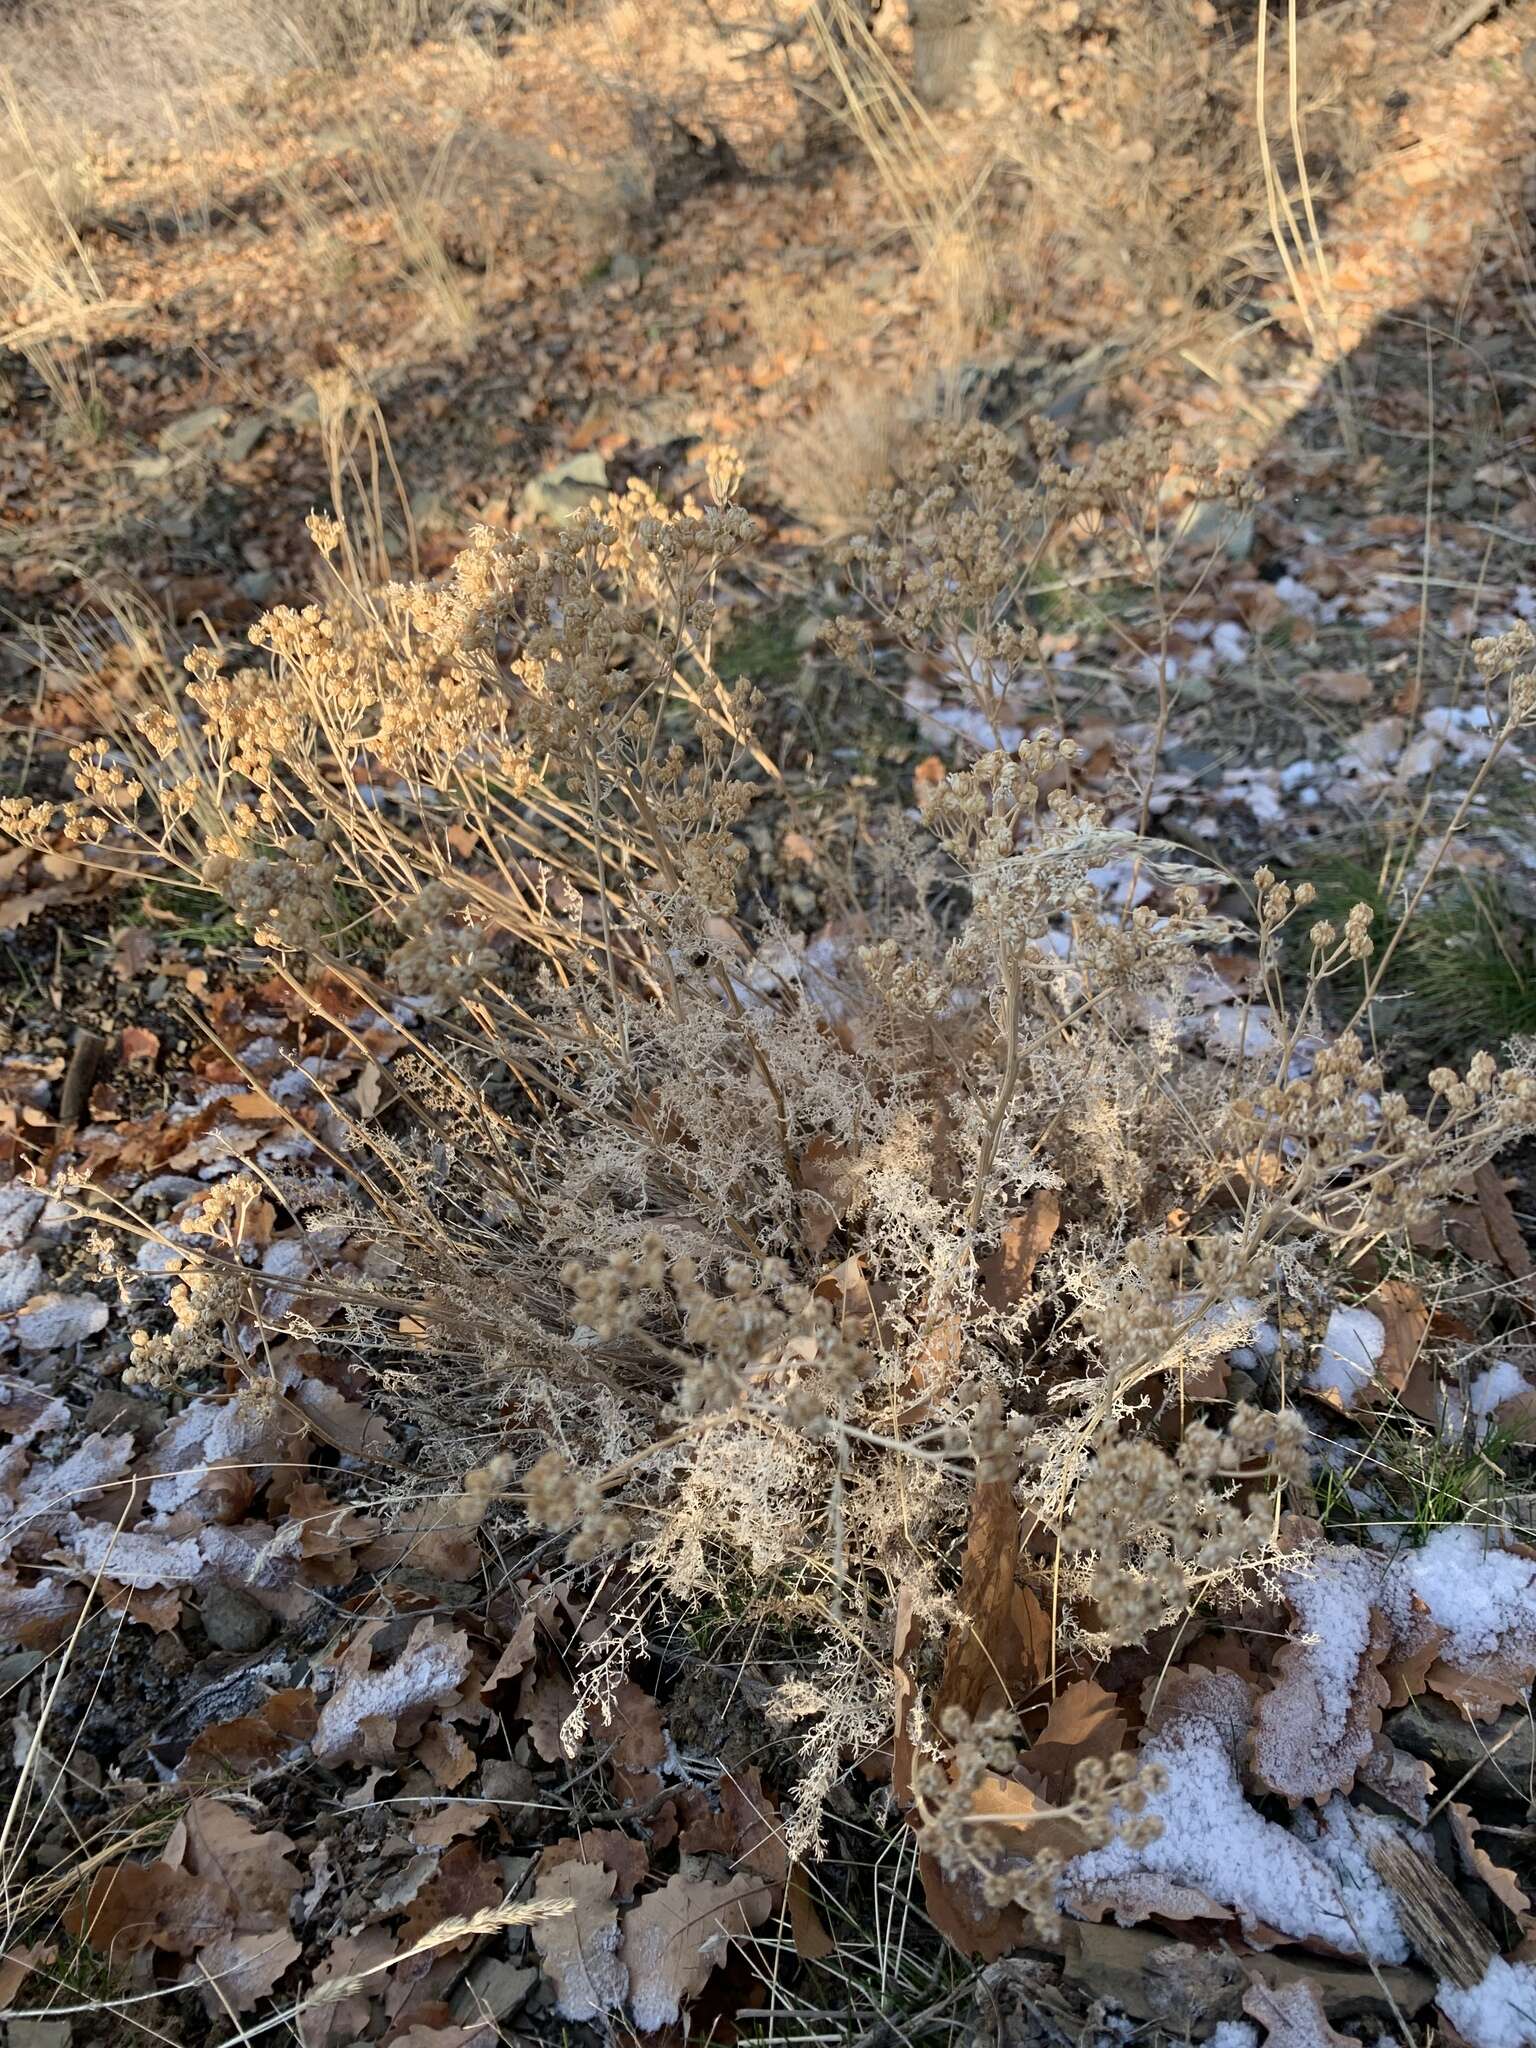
pixel 628 1859
pixel 676 1936
pixel 252 1866
pixel 1023 1242
pixel 446 1755
pixel 1294 2015
pixel 745 1829
pixel 1000 1647
pixel 961 1913
pixel 808 1931
pixel 448 1822
pixel 1319 1721
pixel 17 1964
pixel 1403 1781
pixel 638 1737
pixel 466 1882
pixel 239 1970
pixel 580 1950
pixel 149 1905
pixel 254 1745
pixel 331 2018
pixel 481 2034
pixel 1084 1722
pixel 37 1617
pixel 546 1700
pixel 907 1641
pixel 1477 1863
pixel 372 1713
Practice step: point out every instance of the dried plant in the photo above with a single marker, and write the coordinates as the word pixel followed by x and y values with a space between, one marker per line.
pixel 751 1258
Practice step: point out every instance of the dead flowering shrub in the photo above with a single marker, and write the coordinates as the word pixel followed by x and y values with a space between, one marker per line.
pixel 894 1271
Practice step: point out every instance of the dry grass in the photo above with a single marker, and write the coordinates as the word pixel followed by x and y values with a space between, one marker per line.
pixel 785 1258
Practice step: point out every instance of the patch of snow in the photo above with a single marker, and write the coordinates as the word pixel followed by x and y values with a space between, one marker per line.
pixel 1234 1032
pixel 1500 1382
pixel 1298 597
pixel 1215 1842
pixel 1500 2012
pixel 1483 1596
pixel 1231 641
pixel 1349 1354
pixel 1234 2034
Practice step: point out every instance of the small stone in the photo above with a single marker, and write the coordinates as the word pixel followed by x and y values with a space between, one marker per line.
pixel 191 428
pixel 232 1620
pixel 564 491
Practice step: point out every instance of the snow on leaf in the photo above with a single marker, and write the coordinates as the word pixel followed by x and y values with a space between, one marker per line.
pixel 239 1970
pixel 424 1676
pixel 1315 1728
pixel 133 1558
pixel 1294 2015
pixel 53 1322
pixel 71 1484
pixel 580 1949
pixel 21 1274
pixel 1482 1596
pixel 1214 1843
pixel 1349 1354
pixel 676 1936
pixel 37 1617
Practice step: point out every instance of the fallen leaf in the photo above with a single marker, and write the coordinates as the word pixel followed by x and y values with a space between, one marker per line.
pixel 807 1929
pixel 676 1936
pixel 449 1821
pixel 1000 1647
pixel 1503 1228
pixel 1294 2015
pixel 132 1906
pixel 239 1970
pixel 251 1866
pixel 1084 1722
pixel 140 1048
pixel 580 1949
pixel 255 1744
pixel 628 1859
pixel 466 1883
pixel 17 1964
pixel 1022 1243
pixel 37 1617
pixel 1319 1721
pixel 1335 685
pixel 907 1643
pixel 1402 1370
pixel 371 1711
pixel 341 2019
pixel 1476 1861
